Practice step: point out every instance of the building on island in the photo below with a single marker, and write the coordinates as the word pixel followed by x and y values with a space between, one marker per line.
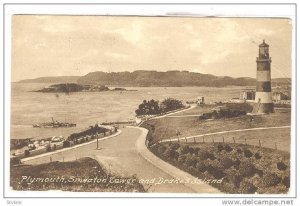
pixel 200 100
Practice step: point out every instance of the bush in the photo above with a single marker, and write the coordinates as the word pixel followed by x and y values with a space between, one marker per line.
pixel 257 156
pixel 201 167
pixel 174 146
pixel 191 161
pixel 270 179
pixel 193 171
pixel 215 171
pixel 15 161
pixel 191 150
pixel 181 158
pixel 247 188
pixel 260 172
pixel 196 150
pixel 247 169
pixel 228 148
pixel 239 150
pixel 226 163
pixel 171 154
pixel 281 166
pixel 161 149
pixel 66 144
pixel 167 153
pixel 234 177
pixel 184 150
pixel 286 181
pixel 220 147
pixel 236 163
pixel 204 155
pixel 248 153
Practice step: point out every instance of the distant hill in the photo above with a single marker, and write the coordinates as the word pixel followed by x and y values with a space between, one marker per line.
pixel 54 80
pixel 281 82
pixel 146 78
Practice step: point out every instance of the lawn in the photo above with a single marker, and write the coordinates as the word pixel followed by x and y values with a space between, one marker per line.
pixel 168 127
pixel 273 138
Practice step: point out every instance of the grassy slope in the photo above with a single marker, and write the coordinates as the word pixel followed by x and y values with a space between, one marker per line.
pixel 166 127
pixel 82 168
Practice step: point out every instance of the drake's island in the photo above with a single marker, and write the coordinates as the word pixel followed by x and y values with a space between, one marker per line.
pixel 73 87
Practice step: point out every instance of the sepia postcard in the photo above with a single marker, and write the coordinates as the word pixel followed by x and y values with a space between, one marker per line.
pixel 151 104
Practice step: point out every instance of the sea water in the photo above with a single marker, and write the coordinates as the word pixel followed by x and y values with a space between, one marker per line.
pixel 89 108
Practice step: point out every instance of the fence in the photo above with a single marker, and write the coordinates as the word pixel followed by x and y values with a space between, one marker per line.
pixel 222 139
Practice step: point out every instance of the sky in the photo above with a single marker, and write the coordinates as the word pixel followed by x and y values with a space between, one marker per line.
pixel 50 45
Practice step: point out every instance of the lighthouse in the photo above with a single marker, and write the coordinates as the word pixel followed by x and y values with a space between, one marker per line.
pixel 263 96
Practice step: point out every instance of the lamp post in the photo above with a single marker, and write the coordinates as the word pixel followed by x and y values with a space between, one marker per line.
pixel 97 140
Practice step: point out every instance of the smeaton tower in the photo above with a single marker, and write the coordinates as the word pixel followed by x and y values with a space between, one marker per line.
pixel 263 96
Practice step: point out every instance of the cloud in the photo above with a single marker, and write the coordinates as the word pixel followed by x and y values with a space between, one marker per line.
pixel 77 45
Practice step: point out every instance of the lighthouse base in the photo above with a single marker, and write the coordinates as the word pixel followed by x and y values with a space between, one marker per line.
pixel 263 108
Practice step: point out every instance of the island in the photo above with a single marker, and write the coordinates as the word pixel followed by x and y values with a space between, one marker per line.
pixel 73 87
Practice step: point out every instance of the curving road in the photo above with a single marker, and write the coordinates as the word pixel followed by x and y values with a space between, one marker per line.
pixel 127 155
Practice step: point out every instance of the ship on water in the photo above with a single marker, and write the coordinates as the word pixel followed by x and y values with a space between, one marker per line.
pixel 54 124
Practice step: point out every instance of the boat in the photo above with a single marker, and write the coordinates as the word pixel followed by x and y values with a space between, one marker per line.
pixel 53 124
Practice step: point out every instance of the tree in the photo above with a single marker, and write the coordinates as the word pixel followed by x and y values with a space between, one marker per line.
pixel 153 107
pixel 171 104
pixel 148 108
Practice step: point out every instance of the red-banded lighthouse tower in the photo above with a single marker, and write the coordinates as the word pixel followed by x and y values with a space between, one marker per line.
pixel 263 96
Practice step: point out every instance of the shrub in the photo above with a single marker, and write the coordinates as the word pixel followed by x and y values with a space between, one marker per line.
pixel 66 144
pixel 192 170
pixel 226 163
pixel 247 188
pixel 215 171
pixel 247 169
pixel 248 153
pixel 174 146
pixel 227 187
pixel 181 158
pixel 15 161
pixel 185 149
pixel 167 153
pixel 236 163
pixel 204 155
pixel 161 149
pixel 174 155
pixel 260 172
pixel 281 166
pixel 220 147
pixel 286 181
pixel 191 161
pixel 257 156
pixel 239 150
pixel 228 148
pixel 270 179
pixel 201 167
pixel 191 150
pixel 170 154
pixel 196 150
pixel 234 177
